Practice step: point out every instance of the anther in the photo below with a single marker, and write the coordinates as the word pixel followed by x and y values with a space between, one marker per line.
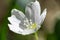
pixel 24 24
pixel 30 22
pixel 31 27
pixel 27 25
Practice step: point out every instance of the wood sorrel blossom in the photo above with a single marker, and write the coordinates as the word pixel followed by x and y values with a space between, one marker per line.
pixel 29 22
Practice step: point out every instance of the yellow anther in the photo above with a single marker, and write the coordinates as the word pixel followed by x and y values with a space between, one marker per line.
pixel 33 26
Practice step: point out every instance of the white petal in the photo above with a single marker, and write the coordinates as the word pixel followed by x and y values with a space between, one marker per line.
pixel 36 7
pixel 28 12
pixel 15 29
pixel 13 20
pixel 28 31
pixel 19 14
pixel 33 11
pixel 43 15
pixel 14 26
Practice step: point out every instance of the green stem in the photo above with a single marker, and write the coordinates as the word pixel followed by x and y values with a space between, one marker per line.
pixel 36 35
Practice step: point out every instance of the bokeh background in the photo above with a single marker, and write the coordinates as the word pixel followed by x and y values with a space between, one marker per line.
pixel 50 29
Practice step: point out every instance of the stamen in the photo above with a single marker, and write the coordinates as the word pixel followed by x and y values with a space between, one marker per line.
pixel 27 25
pixel 27 20
pixel 30 22
pixel 24 23
pixel 31 27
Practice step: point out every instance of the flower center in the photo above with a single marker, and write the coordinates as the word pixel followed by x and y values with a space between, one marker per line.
pixel 29 24
pixel 33 26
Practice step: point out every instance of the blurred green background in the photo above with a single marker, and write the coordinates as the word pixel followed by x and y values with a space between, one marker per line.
pixel 50 29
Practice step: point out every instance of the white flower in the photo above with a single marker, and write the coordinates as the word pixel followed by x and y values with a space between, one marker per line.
pixel 29 22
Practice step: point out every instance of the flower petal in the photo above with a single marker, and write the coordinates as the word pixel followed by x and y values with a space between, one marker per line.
pixel 19 14
pixel 13 20
pixel 33 11
pixel 28 31
pixel 43 15
pixel 15 29
pixel 14 26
